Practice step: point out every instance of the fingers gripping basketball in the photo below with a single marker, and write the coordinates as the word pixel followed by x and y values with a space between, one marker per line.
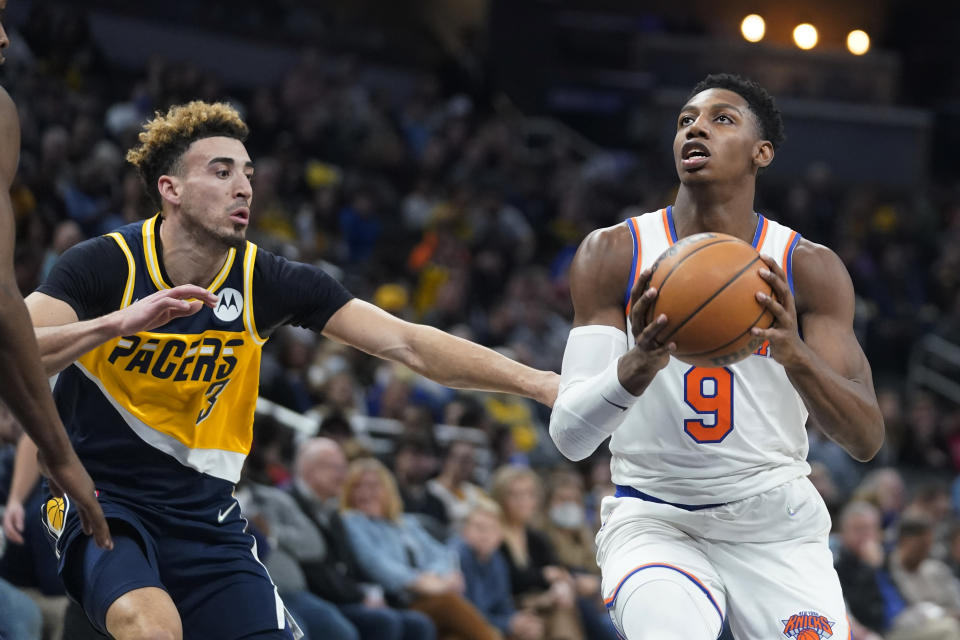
pixel 707 286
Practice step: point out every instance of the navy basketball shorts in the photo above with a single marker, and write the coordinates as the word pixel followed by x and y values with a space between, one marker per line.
pixel 201 558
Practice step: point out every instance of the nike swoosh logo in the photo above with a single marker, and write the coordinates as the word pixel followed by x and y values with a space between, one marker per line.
pixel 614 404
pixel 222 515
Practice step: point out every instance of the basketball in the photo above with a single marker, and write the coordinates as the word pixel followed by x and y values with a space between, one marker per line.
pixel 707 285
pixel 808 634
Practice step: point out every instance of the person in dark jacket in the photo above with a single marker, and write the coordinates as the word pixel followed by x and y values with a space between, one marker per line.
pixel 486 575
pixel 875 603
pixel 320 470
pixel 537 580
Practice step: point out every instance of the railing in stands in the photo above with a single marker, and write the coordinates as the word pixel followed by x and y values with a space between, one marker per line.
pixel 935 365
pixel 379 435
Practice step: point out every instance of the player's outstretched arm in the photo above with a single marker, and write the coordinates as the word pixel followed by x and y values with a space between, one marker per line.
pixel 827 366
pixel 601 378
pixel 63 337
pixel 25 388
pixel 444 358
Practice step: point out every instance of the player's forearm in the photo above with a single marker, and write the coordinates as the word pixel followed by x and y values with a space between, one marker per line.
pixel 25 388
pixel 62 345
pixel 462 364
pixel 845 410
pixel 588 411
pixel 26 471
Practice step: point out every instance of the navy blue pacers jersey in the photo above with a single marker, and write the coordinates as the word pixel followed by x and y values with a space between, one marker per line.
pixel 164 418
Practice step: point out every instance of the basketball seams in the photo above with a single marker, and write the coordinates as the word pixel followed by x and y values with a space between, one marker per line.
pixel 676 266
pixel 724 346
pixel 692 314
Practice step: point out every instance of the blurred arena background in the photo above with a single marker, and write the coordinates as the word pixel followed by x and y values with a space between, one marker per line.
pixel 444 158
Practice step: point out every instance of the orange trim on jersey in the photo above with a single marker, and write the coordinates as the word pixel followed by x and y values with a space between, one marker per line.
pixel 666 226
pixel 609 601
pixel 763 233
pixel 786 251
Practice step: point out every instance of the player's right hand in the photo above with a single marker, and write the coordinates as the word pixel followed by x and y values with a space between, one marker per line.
pixel 161 307
pixel 638 366
pixel 70 478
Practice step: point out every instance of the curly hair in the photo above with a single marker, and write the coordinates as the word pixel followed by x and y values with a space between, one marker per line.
pixel 164 139
pixel 761 103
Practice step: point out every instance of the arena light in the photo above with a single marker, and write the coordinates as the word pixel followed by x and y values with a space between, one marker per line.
pixel 805 36
pixel 753 28
pixel 858 42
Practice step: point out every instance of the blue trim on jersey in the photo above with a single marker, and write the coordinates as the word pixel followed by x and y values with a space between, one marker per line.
pixel 673 227
pixel 624 491
pixel 789 266
pixel 633 265
pixel 756 236
pixel 613 600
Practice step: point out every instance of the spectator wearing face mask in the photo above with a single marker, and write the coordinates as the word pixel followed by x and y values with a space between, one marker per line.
pixel 573 542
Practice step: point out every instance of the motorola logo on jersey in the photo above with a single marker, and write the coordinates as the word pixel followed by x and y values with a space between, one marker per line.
pixel 229 305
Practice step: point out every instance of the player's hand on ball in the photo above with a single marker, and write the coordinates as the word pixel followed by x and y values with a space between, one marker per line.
pixel 783 335
pixel 639 365
pixel 161 307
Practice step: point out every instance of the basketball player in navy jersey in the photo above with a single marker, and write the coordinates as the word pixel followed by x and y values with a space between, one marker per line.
pixel 157 330
pixel 25 389
pixel 714 518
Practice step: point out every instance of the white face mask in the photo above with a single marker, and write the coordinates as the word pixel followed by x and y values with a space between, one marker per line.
pixel 567 515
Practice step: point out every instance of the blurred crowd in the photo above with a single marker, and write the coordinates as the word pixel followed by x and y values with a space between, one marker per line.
pixel 445 206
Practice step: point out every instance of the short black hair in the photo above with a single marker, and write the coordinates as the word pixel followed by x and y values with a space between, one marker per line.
pixel 914 525
pixel 761 103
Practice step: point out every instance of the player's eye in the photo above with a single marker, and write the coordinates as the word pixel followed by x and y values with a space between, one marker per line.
pixel 723 118
pixel 223 173
pixel 685 120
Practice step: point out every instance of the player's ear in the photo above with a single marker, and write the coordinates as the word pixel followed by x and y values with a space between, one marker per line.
pixel 170 189
pixel 763 153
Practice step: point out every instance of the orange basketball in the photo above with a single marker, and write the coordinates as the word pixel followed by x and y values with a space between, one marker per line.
pixel 808 634
pixel 707 285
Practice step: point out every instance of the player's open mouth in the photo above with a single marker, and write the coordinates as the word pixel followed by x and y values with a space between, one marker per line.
pixel 241 216
pixel 694 155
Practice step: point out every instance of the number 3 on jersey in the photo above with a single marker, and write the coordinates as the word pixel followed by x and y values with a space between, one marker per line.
pixel 709 392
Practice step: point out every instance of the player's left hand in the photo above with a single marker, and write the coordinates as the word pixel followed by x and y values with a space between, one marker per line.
pixel 783 335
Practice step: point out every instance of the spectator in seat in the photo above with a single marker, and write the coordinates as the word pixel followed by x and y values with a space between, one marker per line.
pixel 395 550
pixel 487 577
pixel 320 468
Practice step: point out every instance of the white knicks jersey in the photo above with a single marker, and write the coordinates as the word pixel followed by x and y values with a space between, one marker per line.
pixel 706 435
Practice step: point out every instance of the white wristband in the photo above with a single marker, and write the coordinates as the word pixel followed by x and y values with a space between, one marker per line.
pixel 612 391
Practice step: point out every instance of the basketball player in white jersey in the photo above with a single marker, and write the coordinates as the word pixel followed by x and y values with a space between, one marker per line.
pixel 714 518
